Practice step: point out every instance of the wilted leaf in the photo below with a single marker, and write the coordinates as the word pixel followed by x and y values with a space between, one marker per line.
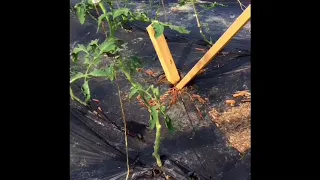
pixel 133 92
pixel 77 76
pixel 158 28
pixel 169 124
pixel 81 12
pixel 120 11
pixel 86 90
pixel 100 20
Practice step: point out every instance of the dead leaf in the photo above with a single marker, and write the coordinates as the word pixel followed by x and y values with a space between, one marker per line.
pixel 230 102
pixel 96 100
pixel 150 73
pixel 201 50
pixel 242 94
pixel 246 100
pixel 139 69
pixel 198 97
pixel 201 71
pixel 199 113
pixel 214 113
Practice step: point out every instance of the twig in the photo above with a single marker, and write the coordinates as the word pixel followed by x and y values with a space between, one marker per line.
pixel 243 7
pixel 164 11
pixel 199 24
pixel 125 129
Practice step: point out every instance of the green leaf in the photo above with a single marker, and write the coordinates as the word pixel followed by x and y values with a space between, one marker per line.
pixel 152 123
pixel 111 72
pixel 141 17
pixel 156 92
pixel 94 42
pixel 86 90
pixel 120 11
pixel 90 2
pixel 99 73
pixel 136 62
pixel 81 12
pixel 154 116
pixel 97 60
pixel 108 46
pixel 180 29
pixel 169 124
pixel 211 5
pixel 77 76
pixel 182 2
pixel 74 57
pixel 80 48
pixel 133 92
pixel 100 20
pixel 159 28
pixel 87 59
pixel 163 109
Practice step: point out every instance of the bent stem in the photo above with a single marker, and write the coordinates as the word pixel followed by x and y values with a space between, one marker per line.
pixel 199 24
pixel 125 129
pixel 105 12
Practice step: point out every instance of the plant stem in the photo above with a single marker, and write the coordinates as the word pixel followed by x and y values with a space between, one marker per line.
pixel 73 97
pixel 86 74
pixel 103 27
pixel 164 11
pixel 198 23
pixel 125 129
pixel 104 10
pixel 243 7
pixel 157 141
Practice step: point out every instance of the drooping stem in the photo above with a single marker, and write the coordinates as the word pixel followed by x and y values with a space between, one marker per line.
pixel 125 129
pixel 73 97
pixel 157 140
pixel 105 12
pixel 243 7
pixel 199 24
pixel 103 27
pixel 164 11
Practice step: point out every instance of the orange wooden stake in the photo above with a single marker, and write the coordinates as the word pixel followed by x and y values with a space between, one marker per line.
pixel 214 50
pixel 164 55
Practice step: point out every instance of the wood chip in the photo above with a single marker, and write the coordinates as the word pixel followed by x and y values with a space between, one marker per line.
pixel 150 73
pixel 230 102
pixel 242 94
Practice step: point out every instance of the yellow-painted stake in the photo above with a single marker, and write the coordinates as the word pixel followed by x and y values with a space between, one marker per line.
pixel 222 42
pixel 164 55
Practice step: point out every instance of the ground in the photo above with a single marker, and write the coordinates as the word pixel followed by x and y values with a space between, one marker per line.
pixel 198 148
